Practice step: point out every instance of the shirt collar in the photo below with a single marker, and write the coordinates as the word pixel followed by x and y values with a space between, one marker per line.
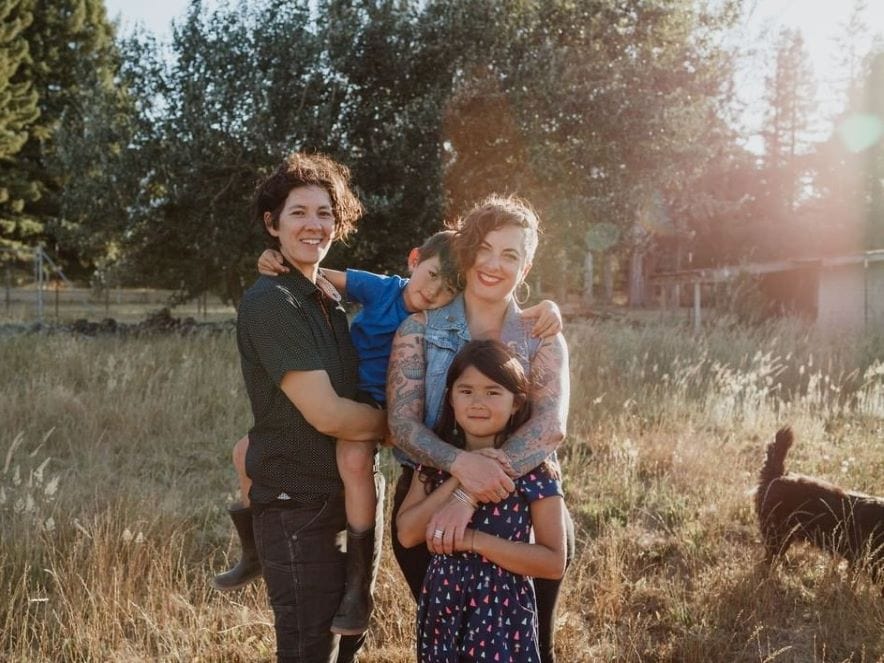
pixel 301 285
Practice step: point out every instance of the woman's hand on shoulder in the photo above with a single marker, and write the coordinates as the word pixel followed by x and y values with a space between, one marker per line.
pixel 500 456
pixel 271 263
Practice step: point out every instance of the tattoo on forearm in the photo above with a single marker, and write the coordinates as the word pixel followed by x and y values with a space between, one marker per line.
pixel 543 433
pixel 413 368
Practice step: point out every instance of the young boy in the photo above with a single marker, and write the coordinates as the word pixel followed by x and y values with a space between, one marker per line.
pixel 386 301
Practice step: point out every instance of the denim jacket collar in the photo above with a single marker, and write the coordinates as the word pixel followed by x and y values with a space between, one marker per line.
pixel 453 317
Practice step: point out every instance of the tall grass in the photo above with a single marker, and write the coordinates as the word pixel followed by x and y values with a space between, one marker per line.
pixel 114 474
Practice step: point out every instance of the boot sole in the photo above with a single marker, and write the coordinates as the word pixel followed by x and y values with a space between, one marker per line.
pixel 348 631
pixel 228 588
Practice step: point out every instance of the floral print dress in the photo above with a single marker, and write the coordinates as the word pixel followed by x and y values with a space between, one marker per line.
pixel 470 608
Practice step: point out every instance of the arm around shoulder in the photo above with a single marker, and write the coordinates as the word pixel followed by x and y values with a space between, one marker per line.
pixel 550 393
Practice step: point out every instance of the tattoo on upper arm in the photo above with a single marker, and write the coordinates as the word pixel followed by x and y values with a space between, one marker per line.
pixel 411 326
pixel 414 368
pixel 405 399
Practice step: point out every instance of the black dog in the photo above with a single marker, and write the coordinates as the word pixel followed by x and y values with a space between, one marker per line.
pixel 794 507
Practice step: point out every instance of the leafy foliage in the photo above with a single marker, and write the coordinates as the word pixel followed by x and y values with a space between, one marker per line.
pixel 71 47
pixel 613 115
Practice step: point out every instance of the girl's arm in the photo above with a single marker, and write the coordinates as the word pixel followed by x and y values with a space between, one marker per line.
pixel 550 392
pixel 545 558
pixel 418 507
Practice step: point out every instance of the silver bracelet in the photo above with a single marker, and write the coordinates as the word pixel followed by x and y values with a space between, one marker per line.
pixel 461 495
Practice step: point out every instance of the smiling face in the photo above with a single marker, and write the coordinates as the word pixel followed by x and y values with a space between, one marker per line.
pixel 482 407
pixel 501 262
pixel 305 227
pixel 427 288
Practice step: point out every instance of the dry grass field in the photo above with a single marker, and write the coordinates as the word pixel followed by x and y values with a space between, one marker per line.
pixel 115 471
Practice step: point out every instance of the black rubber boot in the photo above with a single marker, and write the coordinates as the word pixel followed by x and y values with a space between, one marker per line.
pixel 249 566
pixel 354 612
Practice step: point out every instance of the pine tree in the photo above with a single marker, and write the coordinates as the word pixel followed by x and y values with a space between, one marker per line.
pixel 875 157
pixel 71 45
pixel 790 92
pixel 18 104
pixel 18 99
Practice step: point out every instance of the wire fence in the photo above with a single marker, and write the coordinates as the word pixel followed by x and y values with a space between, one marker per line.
pixel 48 296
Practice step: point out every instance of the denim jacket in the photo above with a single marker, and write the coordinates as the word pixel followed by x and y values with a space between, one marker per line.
pixel 446 333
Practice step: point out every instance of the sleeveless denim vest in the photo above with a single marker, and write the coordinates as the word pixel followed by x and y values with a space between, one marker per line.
pixel 446 333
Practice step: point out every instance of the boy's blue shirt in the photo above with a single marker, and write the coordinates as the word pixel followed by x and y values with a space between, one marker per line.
pixel 372 330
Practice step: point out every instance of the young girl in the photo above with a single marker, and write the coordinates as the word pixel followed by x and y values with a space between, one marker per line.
pixel 477 603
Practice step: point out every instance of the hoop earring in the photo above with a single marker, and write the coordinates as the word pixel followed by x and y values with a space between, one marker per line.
pixel 521 301
pixel 460 282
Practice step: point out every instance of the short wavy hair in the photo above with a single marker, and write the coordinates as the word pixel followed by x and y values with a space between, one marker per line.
pixel 301 169
pixel 439 246
pixel 494 212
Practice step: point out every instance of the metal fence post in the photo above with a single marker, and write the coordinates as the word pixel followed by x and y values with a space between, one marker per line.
pixel 38 268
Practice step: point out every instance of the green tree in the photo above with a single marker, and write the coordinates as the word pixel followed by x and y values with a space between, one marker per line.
pixel 66 38
pixel 18 107
pixel 594 109
pixel 224 108
pixel 790 91
pixel 18 100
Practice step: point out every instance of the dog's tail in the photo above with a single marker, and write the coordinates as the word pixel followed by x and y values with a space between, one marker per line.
pixel 774 465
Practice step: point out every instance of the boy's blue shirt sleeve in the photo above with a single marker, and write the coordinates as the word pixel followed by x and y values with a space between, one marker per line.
pixel 366 287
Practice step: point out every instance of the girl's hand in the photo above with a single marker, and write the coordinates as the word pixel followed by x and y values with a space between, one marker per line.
pixel 271 264
pixel 445 530
pixel 547 319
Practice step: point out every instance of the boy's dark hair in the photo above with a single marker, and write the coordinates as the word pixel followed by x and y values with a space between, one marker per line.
pixel 494 212
pixel 440 245
pixel 300 169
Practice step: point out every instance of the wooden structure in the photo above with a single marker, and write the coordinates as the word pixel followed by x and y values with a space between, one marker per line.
pixel 839 293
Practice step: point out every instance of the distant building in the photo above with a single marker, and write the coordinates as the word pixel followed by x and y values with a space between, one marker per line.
pixel 839 293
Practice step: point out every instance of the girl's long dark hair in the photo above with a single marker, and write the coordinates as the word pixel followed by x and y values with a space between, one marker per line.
pixel 493 360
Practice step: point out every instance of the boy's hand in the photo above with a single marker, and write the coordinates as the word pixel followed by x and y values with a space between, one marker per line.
pixel 270 263
pixel 547 319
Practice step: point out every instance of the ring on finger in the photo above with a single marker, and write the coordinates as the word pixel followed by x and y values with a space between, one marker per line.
pixel 438 534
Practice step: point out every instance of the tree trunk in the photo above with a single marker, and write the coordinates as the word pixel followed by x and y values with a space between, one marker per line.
pixel 562 285
pixel 608 276
pixel 587 279
pixel 636 278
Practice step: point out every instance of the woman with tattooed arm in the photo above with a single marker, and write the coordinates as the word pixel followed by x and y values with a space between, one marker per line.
pixel 494 246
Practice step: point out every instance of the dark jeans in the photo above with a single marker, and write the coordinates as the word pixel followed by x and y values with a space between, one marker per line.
pixel 303 564
pixel 414 563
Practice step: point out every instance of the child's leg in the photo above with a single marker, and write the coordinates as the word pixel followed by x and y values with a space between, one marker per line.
pixel 356 465
pixel 239 464
pixel 249 566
